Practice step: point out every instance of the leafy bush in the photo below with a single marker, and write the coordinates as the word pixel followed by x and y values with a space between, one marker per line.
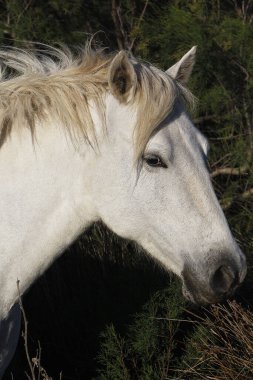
pixel 147 350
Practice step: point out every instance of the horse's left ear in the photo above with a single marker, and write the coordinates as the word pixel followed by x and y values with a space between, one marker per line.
pixel 122 77
pixel 181 71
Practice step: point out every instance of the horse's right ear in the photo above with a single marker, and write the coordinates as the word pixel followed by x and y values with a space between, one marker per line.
pixel 181 71
pixel 122 77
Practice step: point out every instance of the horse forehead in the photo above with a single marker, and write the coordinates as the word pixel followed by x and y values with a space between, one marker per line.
pixel 182 130
pixel 176 131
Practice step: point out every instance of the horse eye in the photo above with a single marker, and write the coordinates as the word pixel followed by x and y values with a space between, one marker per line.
pixel 155 161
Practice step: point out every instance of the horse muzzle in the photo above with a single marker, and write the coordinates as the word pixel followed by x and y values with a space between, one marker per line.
pixel 216 283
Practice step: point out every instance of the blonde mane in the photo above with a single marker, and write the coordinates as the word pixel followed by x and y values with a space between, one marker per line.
pixel 57 83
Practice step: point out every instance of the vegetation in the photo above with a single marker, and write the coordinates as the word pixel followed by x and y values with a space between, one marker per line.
pixel 219 347
pixel 104 310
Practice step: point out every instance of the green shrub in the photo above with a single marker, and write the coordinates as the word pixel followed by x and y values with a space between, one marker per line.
pixel 147 350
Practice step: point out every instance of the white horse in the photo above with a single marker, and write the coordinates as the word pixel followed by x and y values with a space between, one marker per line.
pixel 105 137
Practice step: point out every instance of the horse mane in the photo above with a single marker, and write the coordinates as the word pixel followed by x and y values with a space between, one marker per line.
pixel 56 83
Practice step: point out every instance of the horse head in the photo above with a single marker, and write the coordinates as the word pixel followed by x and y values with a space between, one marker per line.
pixel 151 182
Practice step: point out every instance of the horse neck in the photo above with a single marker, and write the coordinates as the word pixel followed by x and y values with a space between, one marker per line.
pixel 44 204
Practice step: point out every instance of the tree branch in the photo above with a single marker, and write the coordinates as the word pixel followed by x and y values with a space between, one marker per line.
pixel 123 29
pixel 139 22
pixel 118 23
pixel 243 170
pixel 243 69
pixel 201 119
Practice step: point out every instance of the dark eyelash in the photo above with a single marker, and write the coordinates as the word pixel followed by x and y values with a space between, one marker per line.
pixel 154 161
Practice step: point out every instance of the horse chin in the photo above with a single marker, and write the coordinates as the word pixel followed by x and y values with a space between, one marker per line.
pixel 190 297
pixel 199 300
pixel 187 294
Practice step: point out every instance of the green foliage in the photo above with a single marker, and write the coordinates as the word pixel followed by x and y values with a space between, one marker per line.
pixel 51 21
pixel 113 356
pixel 147 350
pixel 193 354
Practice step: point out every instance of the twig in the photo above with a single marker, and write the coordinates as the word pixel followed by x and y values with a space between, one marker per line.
pixel 118 23
pixel 201 119
pixel 25 333
pixel 242 68
pixel 243 170
pixel 139 23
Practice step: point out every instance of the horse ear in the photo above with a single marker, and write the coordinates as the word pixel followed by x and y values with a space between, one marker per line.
pixel 181 71
pixel 122 77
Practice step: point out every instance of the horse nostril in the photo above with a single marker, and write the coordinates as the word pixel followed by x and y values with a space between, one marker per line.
pixel 224 280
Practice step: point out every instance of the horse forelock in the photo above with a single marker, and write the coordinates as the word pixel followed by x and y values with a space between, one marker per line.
pixel 157 94
pixel 59 84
